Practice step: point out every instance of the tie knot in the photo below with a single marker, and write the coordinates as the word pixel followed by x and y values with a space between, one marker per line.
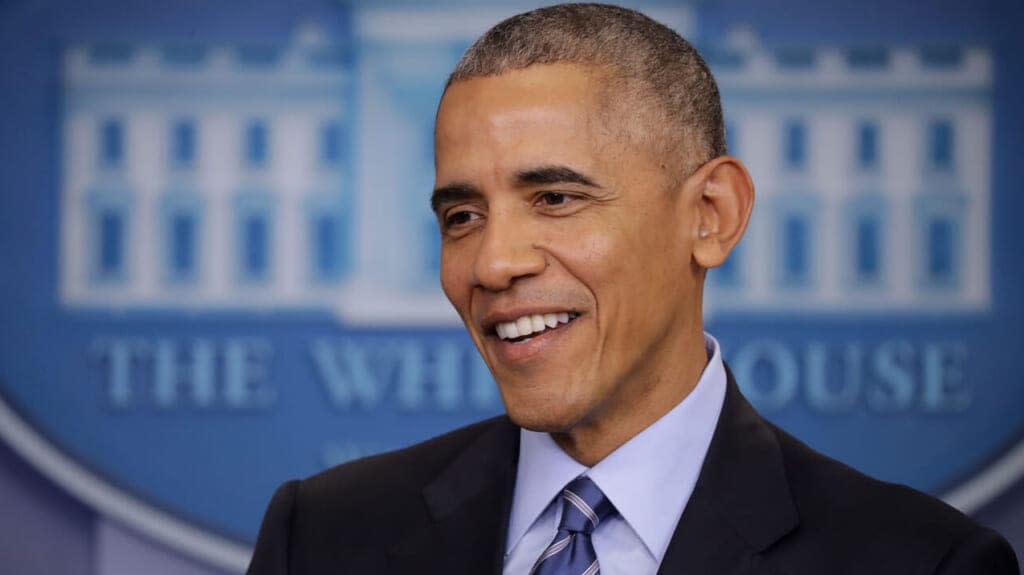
pixel 584 506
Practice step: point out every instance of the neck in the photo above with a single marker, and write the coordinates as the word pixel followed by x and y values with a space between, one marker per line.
pixel 590 441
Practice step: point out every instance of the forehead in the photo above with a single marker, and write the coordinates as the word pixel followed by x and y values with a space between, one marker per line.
pixel 541 86
pixel 523 113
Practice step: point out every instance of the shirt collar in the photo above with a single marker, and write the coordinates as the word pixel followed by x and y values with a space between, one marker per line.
pixel 631 474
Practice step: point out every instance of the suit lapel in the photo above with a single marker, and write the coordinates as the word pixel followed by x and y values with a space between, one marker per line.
pixel 468 504
pixel 741 504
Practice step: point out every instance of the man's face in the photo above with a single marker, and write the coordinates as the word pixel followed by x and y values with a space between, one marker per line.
pixel 565 249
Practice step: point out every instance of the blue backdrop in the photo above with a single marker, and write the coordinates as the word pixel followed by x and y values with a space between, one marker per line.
pixel 220 270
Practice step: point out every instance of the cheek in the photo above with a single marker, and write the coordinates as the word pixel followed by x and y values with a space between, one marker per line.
pixel 598 250
pixel 632 266
pixel 599 259
pixel 617 251
pixel 454 277
pixel 591 254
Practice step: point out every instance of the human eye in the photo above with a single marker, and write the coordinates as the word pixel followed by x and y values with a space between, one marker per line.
pixel 554 198
pixel 458 218
pixel 558 202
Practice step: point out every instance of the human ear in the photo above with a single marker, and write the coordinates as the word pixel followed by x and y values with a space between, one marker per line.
pixel 724 199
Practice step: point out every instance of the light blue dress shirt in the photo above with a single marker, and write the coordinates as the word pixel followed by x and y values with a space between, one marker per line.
pixel 649 479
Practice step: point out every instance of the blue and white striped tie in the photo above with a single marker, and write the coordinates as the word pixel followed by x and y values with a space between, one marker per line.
pixel 572 551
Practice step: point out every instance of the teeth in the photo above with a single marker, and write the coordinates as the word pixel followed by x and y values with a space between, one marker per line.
pixel 529 324
pixel 511 331
pixel 525 325
pixel 538 322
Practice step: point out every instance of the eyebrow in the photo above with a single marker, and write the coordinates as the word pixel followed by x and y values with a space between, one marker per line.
pixel 452 193
pixel 553 175
pixel 543 175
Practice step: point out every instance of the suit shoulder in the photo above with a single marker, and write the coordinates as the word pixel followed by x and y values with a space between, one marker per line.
pixel 846 511
pixel 408 468
pixel 338 516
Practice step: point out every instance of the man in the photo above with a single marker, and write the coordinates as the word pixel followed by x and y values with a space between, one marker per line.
pixel 582 191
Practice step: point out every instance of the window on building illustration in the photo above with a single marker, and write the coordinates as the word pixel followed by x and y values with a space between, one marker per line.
pixel 330 57
pixel 106 53
pixel 110 261
pixel 728 274
pixel 795 58
pixel 430 252
pixel 867 58
pixel 942 57
pixel 795 145
pixel 940 145
pixel 326 246
pixel 795 249
pixel 732 138
pixel 867 145
pixel 184 55
pixel 941 257
pixel 255 246
pixel 259 56
pixel 183 144
pixel 183 232
pixel 256 144
pixel 868 248
pixel 721 59
pixel 427 143
pixel 330 144
pixel 111 144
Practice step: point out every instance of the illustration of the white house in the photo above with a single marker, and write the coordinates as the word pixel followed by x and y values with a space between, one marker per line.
pixel 282 177
pixel 873 173
pixel 206 176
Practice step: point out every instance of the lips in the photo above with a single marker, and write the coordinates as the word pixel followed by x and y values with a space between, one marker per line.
pixel 517 349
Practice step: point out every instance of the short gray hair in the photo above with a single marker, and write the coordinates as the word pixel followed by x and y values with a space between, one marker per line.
pixel 647 61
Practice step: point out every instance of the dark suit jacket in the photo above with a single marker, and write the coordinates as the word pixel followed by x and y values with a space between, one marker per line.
pixel 764 503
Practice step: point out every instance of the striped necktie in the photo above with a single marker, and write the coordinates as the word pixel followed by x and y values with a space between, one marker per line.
pixel 572 551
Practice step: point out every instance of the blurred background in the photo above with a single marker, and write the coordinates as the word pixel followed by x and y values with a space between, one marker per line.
pixel 220 267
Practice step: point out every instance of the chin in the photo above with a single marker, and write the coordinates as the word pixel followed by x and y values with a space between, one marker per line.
pixel 543 418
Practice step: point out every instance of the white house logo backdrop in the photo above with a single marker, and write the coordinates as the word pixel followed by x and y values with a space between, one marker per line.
pixel 220 268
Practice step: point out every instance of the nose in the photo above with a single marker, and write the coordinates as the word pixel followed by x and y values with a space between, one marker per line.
pixel 507 252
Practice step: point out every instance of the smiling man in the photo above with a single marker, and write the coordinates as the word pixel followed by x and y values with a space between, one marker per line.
pixel 573 249
pixel 582 191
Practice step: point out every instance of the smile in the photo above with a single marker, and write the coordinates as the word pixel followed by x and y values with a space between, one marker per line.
pixel 530 325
